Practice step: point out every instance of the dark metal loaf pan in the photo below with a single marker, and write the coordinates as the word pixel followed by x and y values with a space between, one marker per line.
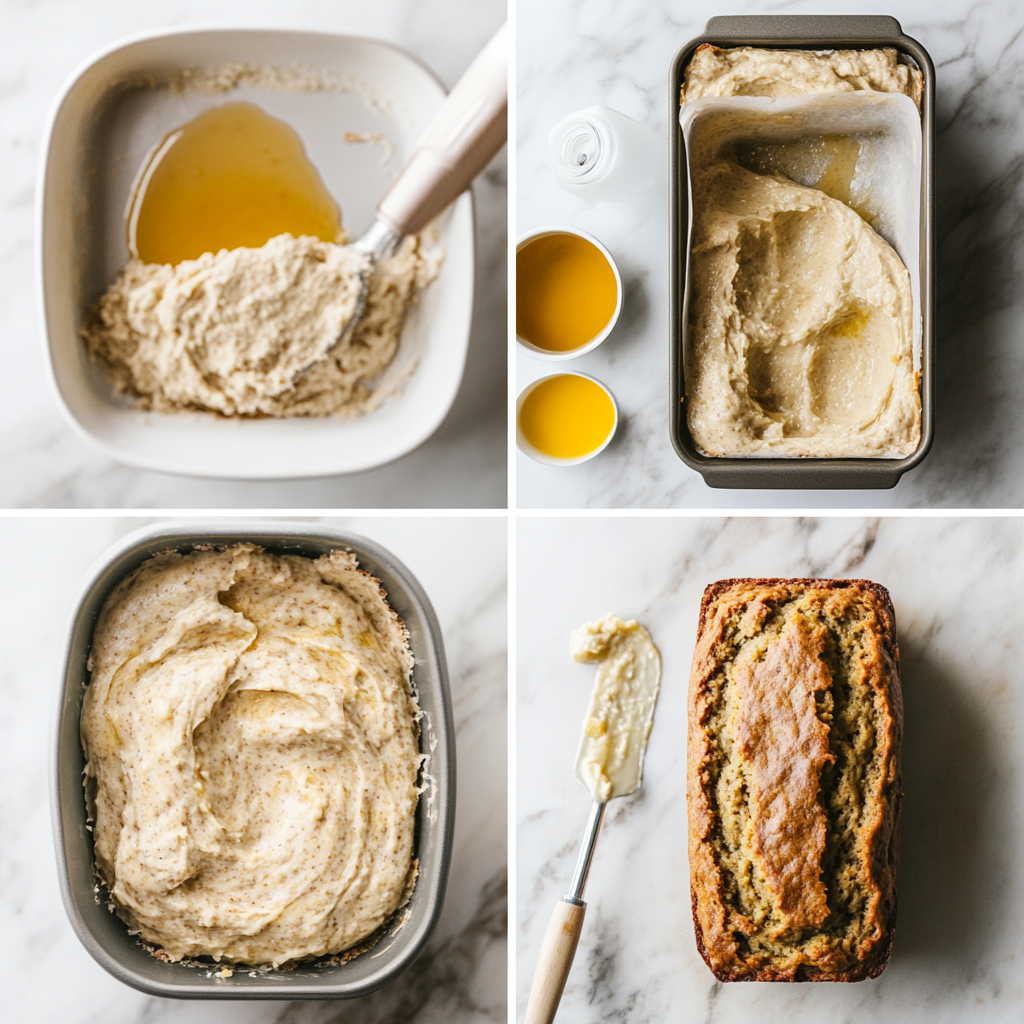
pixel 813 32
pixel 103 934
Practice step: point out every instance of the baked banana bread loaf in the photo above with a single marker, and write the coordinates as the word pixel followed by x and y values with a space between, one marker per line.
pixel 793 779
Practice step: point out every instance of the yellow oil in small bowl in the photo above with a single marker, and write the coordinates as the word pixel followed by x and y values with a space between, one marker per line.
pixel 568 293
pixel 565 419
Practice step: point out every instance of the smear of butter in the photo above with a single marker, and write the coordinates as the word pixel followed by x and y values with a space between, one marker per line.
pixel 610 761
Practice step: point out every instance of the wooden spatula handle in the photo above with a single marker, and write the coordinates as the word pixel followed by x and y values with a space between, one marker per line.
pixel 555 961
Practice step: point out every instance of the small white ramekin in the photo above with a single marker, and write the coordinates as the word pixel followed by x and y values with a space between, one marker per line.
pixel 550 460
pixel 543 353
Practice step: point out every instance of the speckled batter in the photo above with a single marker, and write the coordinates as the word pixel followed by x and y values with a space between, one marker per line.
pixel 258 332
pixel 252 754
pixel 801 330
pixel 758 71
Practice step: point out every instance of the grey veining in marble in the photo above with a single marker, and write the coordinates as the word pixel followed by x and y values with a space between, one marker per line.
pixel 955 584
pixel 573 53
pixel 44 463
pixel 461 976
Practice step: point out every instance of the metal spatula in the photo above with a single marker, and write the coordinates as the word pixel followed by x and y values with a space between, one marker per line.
pixel 609 764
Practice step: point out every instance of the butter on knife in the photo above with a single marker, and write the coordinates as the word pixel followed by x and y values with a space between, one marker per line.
pixel 610 760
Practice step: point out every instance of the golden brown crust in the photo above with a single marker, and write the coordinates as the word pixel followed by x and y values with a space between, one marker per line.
pixel 793 780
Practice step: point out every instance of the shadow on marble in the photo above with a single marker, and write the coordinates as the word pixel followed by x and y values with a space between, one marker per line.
pixel 636 307
pixel 950 867
pixel 978 227
pixel 633 320
pixel 439 985
pixel 622 441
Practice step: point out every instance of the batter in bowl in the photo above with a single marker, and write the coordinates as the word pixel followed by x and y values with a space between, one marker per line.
pixel 240 287
pixel 257 332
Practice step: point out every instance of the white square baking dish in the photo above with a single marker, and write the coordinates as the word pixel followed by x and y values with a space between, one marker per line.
pixel 105 935
pixel 101 128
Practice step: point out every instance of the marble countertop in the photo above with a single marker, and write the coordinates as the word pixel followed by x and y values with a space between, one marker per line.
pixel 461 976
pixel 46 464
pixel 960 936
pixel 576 53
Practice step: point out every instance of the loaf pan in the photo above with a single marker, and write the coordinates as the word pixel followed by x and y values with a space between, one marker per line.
pixel 812 32
pixel 104 934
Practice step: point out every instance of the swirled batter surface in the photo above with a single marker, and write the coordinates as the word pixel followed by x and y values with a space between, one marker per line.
pixel 258 332
pixel 252 754
pixel 801 330
pixel 801 334
pixel 758 71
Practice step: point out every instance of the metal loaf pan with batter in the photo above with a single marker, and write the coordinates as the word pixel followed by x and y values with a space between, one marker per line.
pixel 811 32
pixel 105 935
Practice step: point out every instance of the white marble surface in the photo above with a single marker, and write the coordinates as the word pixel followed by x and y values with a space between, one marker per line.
pixel 44 463
pixel 960 935
pixel 49 977
pixel 572 53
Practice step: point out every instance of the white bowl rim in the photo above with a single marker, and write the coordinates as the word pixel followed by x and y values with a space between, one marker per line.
pixel 550 460
pixel 561 229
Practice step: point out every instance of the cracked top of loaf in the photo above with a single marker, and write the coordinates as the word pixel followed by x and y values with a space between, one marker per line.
pixel 793 779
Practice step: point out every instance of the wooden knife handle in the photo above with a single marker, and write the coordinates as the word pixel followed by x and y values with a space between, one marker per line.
pixel 555 961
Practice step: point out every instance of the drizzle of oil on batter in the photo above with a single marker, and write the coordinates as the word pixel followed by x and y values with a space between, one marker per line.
pixel 825 162
pixel 233 176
